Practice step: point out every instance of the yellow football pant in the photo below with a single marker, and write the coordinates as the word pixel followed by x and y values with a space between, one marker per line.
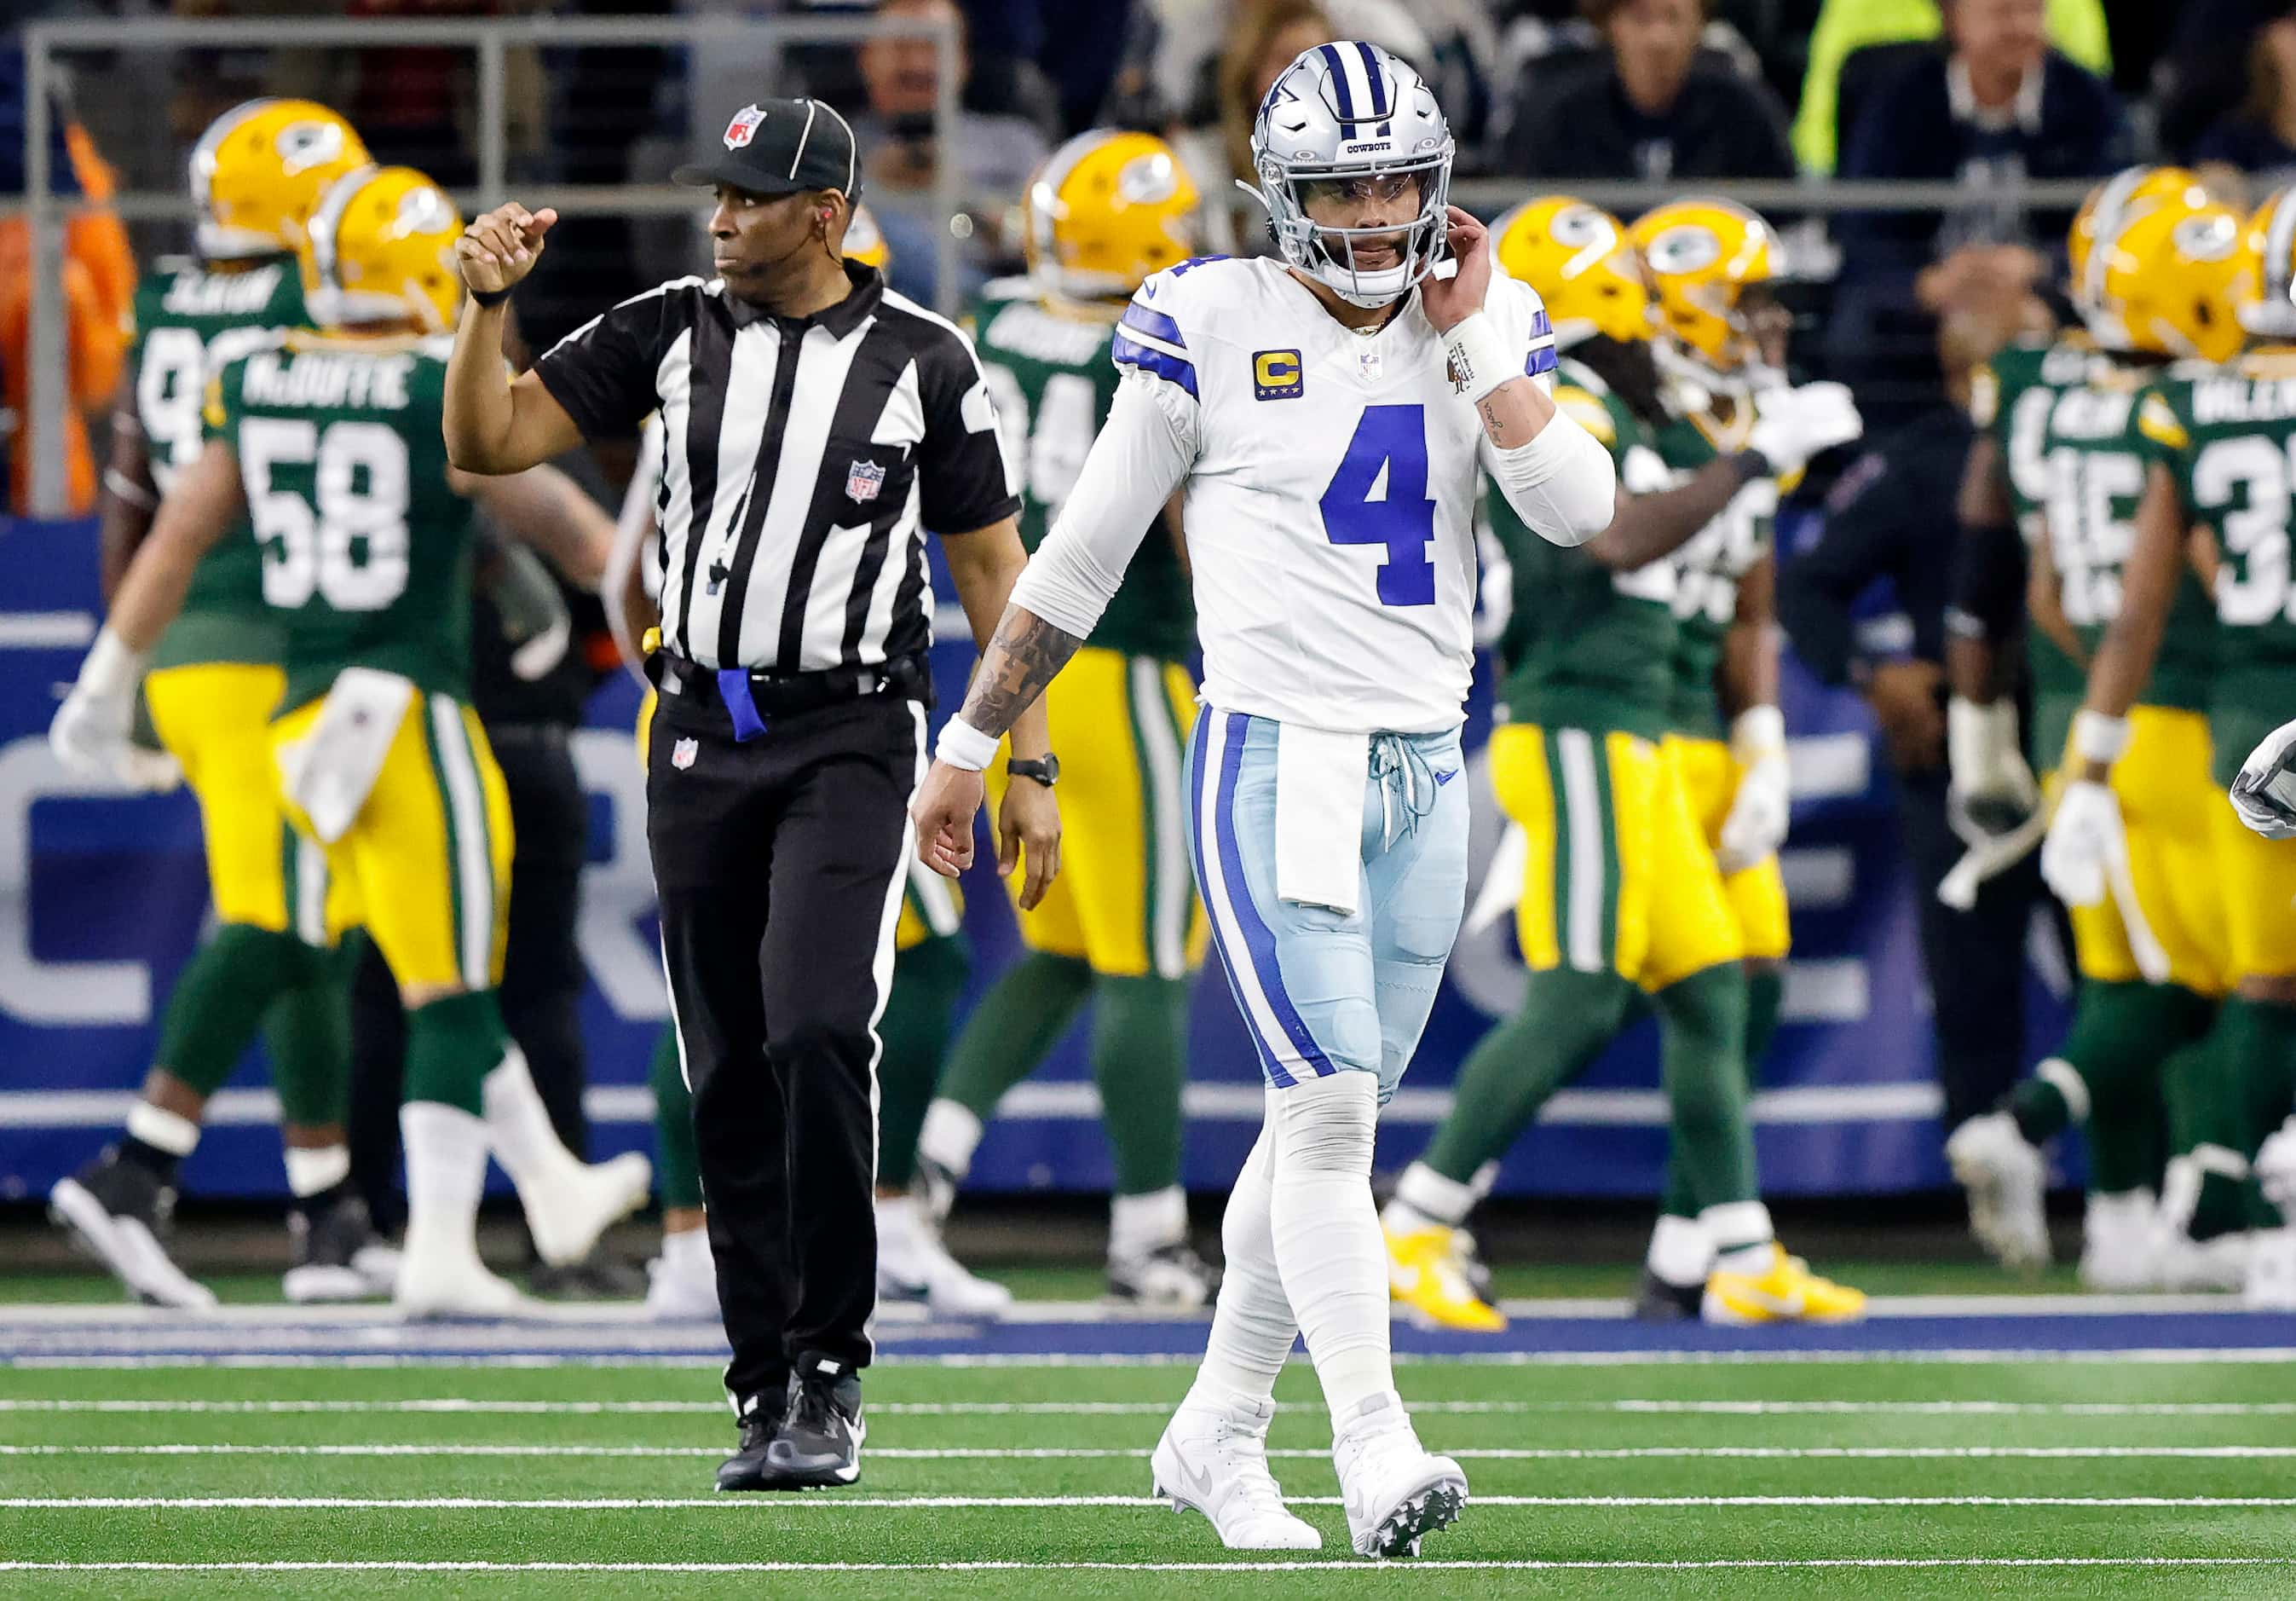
pixel 1757 894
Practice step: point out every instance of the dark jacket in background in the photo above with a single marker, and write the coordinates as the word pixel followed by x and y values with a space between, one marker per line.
pixel 1722 125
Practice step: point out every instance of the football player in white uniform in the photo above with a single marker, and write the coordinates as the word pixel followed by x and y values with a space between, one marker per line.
pixel 1327 414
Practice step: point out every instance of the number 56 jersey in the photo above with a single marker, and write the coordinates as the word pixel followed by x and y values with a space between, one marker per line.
pixel 367 552
pixel 1331 501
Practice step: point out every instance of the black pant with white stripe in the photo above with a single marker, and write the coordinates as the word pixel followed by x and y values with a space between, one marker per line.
pixel 780 864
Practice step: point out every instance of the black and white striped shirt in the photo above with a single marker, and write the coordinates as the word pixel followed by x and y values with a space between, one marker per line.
pixel 803 460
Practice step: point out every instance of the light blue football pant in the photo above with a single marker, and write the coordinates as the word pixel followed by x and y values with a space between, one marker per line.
pixel 1322 991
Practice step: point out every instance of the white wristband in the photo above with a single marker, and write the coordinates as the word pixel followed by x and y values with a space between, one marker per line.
pixel 2099 738
pixel 963 745
pixel 111 668
pixel 1757 731
pixel 1481 356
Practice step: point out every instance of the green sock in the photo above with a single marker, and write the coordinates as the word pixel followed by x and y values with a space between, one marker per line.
pixel 927 980
pixel 1023 1016
pixel 1566 1019
pixel 677 1163
pixel 452 1044
pixel 1766 992
pixel 308 1030
pixel 1702 1030
pixel 1139 1060
pixel 222 996
pixel 2205 1087
pixel 2121 1034
pixel 2262 1054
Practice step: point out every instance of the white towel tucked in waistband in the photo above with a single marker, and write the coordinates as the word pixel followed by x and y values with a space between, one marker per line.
pixel 329 771
pixel 1319 816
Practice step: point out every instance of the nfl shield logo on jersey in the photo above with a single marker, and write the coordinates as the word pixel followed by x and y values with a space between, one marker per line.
pixel 744 127
pixel 863 480
pixel 681 754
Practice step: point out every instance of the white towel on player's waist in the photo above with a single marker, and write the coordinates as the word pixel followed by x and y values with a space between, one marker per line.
pixel 330 772
pixel 1319 816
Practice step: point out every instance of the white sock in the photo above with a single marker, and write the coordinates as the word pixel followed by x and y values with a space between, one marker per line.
pixel 949 1136
pixel 1484 1182
pixel 1140 1225
pixel 312 1170
pixel 687 1252
pixel 1743 1239
pixel 900 1235
pixel 1328 1245
pixel 445 1174
pixel 1425 1199
pixel 1681 1253
pixel 1252 1326
pixel 519 1127
pixel 156 1126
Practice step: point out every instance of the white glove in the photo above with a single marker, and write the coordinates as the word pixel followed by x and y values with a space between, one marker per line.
pixel 92 732
pixel 2265 793
pixel 1991 789
pixel 2086 845
pixel 1763 806
pixel 1792 425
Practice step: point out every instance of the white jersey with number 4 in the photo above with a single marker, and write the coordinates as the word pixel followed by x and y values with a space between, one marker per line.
pixel 1331 480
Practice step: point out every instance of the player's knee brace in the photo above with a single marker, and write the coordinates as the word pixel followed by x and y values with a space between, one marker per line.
pixel 1327 1125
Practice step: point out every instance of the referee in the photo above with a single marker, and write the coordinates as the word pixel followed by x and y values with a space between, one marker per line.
pixel 816 424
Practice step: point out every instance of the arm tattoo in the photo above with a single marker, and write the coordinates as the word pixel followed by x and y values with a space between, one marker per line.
pixel 1021 659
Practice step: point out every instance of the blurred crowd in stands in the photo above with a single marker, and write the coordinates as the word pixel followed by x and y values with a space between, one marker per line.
pixel 1979 95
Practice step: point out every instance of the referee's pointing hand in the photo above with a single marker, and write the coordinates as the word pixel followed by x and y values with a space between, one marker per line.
pixel 500 248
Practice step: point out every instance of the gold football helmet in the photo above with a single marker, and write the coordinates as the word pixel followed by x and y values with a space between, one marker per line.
pixel 259 171
pixel 2112 206
pixel 2264 292
pixel 864 242
pixel 1579 259
pixel 1105 210
pixel 382 250
pixel 1703 255
pixel 2166 280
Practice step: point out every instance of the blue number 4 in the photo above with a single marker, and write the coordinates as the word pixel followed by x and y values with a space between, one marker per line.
pixel 1390 440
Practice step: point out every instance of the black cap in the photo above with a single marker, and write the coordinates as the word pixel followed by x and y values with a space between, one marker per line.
pixel 780 147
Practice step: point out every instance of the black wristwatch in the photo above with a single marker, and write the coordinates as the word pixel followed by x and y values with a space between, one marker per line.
pixel 1046 771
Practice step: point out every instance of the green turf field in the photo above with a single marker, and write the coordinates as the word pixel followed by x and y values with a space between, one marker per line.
pixel 2142 1466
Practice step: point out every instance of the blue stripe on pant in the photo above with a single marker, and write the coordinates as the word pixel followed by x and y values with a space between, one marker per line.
pixel 1319 991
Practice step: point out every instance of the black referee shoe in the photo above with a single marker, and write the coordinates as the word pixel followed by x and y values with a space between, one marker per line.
pixel 819 1446
pixel 1662 1302
pixel 746 1468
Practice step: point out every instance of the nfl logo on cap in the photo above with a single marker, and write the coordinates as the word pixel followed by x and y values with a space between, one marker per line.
pixel 744 127
pixel 863 480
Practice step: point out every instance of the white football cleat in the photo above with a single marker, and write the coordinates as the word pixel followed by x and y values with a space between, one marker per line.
pixel 116 1212
pixel 2007 1180
pixel 1213 1459
pixel 569 1209
pixel 2270 1284
pixel 2121 1239
pixel 914 1264
pixel 446 1283
pixel 681 1282
pixel 1395 1490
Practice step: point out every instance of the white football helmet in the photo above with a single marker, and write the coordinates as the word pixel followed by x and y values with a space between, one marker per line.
pixel 1344 111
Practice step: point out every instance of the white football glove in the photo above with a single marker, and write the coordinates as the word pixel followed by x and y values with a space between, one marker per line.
pixel 1991 788
pixel 2087 844
pixel 1792 425
pixel 94 731
pixel 2265 793
pixel 1763 806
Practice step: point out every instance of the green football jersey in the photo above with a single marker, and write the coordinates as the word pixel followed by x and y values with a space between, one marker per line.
pixel 1052 383
pixel 2094 458
pixel 2010 400
pixel 1709 567
pixel 1586 647
pixel 367 553
pixel 190 322
pixel 2228 438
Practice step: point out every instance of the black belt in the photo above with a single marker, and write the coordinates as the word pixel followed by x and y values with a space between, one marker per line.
pixel 752 698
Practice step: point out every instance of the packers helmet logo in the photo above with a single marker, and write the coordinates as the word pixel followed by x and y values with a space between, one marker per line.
pixel 424 210
pixel 2208 236
pixel 1148 180
pixel 303 145
pixel 1685 249
pixel 1276 376
pixel 1576 228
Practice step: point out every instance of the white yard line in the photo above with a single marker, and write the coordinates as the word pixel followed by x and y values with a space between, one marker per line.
pixel 1390 1570
pixel 463 1405
pixel 1764 1453
pixel 834 1501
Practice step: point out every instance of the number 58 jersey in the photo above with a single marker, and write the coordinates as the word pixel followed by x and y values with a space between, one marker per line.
pixel 1330 503
pixel 366 550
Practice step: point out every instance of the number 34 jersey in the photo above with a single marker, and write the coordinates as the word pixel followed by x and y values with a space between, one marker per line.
pixel 1330 503
pixel 366 551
